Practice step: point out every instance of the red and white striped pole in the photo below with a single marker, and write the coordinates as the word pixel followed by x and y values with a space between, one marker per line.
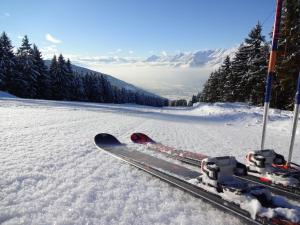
pixel 271 69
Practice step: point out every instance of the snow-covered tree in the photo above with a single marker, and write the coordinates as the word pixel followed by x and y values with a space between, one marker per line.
pixel 7 63
pixel 239 70
pixel 92 87
pixel 209 93
pixel 76 89
pixel 69 76
pixel 227 85
pixel 255 77
pixel 42 75
pixel 241 79
pixel 107 90
pixel 288 57
pixel 55 80
pixel 61 78
pixel 26 82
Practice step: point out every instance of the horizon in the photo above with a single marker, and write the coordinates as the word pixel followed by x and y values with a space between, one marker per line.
pixel 117 37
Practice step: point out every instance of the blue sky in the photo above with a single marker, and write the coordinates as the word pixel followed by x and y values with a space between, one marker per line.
pixel 134 27
pixel 115 37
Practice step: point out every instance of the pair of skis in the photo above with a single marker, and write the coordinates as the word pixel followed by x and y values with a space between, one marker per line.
pixel 195 159
pixel 227 196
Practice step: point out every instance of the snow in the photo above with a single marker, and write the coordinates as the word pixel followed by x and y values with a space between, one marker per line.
pixel 211 58
pixel 52 173
pixel 4 94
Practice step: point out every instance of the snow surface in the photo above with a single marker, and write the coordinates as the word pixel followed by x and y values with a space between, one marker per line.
pixel 52 173
pixel 4 94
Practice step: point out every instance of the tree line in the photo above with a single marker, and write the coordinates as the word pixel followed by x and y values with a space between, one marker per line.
pixel 242 78
pixel 25 74
pixel 178 102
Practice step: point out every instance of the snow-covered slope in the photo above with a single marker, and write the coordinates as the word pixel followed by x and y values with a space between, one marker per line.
pixel 202 58
pixel 52 173
pixel 4 94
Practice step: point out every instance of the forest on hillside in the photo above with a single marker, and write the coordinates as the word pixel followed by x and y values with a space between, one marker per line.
pixel 24 74
pixel 243 77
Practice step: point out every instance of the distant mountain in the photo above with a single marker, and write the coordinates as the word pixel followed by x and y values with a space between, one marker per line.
pixel 113 81
pixel 202 58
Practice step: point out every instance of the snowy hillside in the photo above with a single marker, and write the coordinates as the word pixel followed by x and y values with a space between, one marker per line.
pixel 202 58
pixel 4 94
pixel 114 81
pixel 52 173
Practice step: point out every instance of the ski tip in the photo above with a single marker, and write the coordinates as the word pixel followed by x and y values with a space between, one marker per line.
pixel 104 139
pixel 141 138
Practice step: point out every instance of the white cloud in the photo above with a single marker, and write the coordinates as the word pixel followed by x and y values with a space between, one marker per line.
pixel 164 53
pixel 102 60
pixel 7 14
pixel 20 37
pixel 49 51
pixel 52 39
pixel 130 52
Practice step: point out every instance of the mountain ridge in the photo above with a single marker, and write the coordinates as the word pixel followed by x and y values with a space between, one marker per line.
pixel 200 58
pixel 194 59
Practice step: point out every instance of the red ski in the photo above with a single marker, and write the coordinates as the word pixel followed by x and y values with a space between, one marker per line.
pixel 267 179
pixel 185 156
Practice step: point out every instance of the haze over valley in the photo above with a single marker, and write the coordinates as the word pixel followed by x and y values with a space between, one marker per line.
pixel 173 76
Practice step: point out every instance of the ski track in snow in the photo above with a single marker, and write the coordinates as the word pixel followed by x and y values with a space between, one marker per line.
pixel 52 173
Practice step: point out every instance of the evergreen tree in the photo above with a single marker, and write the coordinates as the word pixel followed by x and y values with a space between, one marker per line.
pixel 69 79
pixel 107 90
pixel 228 86
pixel 288 57
pixel 27 77
pixel 62 74
pixel 254 79
pixel 92 87
pixel 7 63
pixel 77 88
pixel 243 78
pixel 124 96
pixel 42 79
pixel 56 82
pixel 61 78
pixel 193 100
pixel 239 70
pixel 220 82
pixel 209 93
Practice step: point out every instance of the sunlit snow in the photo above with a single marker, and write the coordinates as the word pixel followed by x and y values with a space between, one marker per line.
pixel 52 173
